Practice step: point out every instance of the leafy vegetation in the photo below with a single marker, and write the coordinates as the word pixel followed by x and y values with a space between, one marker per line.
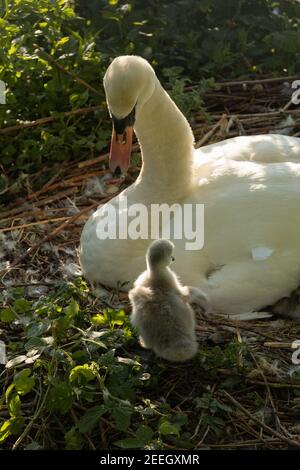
pixel 73 373
pixel 77 379
pixel 216 40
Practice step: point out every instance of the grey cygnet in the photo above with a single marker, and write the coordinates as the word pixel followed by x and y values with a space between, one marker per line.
pixel 161 310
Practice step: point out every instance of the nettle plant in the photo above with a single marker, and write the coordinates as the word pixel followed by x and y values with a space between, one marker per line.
pixel 215 39
pixel 75 372
pixel 67 364
pixel 36 88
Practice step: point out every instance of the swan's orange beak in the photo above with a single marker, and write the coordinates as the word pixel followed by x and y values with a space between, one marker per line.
pixel 120 150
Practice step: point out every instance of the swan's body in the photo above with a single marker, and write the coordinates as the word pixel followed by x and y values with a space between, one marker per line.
pixel 161 309
pixel 250 187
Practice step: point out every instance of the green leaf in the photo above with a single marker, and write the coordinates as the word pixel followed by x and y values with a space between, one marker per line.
pixel 72 310
pixel 39 343
pixel 62 324
pixel 143 436
pixel 5 430
pixel 124 390
pixel 12 426
pixel 16 292
pixel 118 317
pixel 83 374
pixel 7 315
pixel 180 420
pixel 99 320
pixel 108 358
pixel 9 391
pixel 215 423
pixel 91 418
pixel 22 306
pixel 166 428
pixel 120 383
pixel 14 405
pixel 111 317
pixel 74 440
pixel 62 41
pixel 79 356
pixel 38 328
pixel 23 382
pixel 60 397
pixel 122 417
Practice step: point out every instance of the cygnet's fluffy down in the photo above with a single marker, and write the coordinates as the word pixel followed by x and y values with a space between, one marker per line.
pixel 161 310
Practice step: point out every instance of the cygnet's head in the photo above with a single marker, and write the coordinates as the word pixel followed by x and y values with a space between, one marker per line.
pixel 159 254
pixel 129 82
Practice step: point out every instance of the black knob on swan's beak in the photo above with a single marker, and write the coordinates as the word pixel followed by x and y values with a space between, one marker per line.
pixel 121 142
pixel 121 124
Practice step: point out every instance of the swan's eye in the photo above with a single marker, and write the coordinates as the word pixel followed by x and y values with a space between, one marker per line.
pixel 172 258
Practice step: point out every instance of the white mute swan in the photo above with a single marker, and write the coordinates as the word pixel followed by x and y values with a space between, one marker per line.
pixel 161 309
pixel 250 188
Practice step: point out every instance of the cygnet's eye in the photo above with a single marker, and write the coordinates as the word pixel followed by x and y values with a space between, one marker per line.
pixel 172 258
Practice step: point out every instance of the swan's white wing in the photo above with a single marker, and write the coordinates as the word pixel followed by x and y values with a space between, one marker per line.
pixel 271 148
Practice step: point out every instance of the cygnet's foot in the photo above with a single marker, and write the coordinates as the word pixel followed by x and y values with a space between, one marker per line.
pixel 288 307
pixel 142 343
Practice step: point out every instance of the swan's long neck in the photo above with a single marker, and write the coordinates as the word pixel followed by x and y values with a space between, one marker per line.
pixel 167 143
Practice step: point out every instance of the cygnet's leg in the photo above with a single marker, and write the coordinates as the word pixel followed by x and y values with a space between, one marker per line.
pixel 197 296
pixel 250 285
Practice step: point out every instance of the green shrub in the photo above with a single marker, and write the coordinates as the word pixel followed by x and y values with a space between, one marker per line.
pixel 182 39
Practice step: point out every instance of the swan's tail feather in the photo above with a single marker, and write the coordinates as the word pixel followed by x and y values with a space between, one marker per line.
pixel 246 316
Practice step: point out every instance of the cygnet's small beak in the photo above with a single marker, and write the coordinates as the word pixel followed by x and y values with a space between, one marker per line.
pixel 121 143
pixel 172 258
